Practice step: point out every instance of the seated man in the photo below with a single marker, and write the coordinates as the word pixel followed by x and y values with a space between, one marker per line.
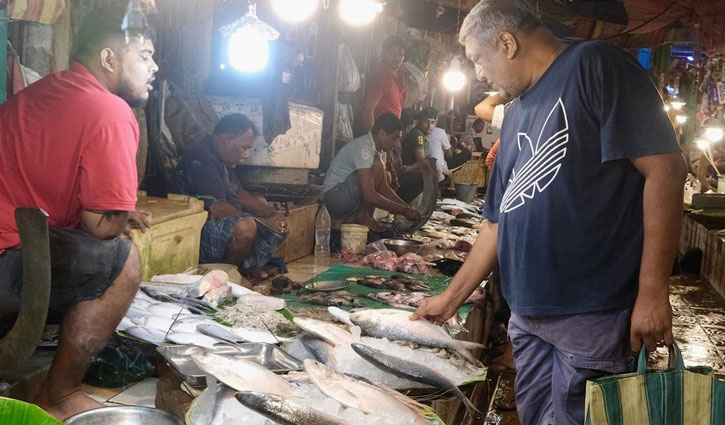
pixel 439 147
pixel 69 146
pixel 413 152
pixel 243 229
pixel 356 182
pixel 468 141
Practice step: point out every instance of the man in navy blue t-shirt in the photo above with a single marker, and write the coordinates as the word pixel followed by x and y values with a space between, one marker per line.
pixel 582 212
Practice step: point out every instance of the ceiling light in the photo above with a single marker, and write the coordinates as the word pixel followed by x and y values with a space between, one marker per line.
pixel 453 79
pixel 249 39
pixel 359 12
pixel 714 130
pixel 294 10
pixel 681 118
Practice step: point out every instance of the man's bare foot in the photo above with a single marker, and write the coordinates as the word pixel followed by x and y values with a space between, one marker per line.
pixel 372 224
pixel 66 406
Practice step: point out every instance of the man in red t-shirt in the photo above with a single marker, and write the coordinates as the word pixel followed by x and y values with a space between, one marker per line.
pixel 68 145
pixel 385 92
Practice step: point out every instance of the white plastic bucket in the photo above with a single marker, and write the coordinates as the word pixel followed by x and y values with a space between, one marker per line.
pixel 354 238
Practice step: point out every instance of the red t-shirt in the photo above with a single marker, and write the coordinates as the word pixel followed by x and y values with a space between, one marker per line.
pixel 66 144
pixel 386 86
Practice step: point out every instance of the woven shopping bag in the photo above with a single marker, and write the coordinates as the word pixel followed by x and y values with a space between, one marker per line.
pixel 675 396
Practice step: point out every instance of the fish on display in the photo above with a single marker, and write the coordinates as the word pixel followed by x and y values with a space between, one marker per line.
pixel 170 310
pixel 341 315
pixel 320 349
pixel 333 334
pixel 144 333
pixel 395 325
pixel 363 396
pixel 160 323
pixel 124 324
pixel 288 411
pixel 395 299
pixel 241 374
pixel 413 370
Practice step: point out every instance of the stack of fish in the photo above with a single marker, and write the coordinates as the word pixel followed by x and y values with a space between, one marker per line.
pixel 391 332
pixel 349 378
pixel 252 395
pixel 157 317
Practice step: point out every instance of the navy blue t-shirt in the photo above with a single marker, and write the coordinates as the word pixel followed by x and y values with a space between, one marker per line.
pixel 203 174
pixel 566 197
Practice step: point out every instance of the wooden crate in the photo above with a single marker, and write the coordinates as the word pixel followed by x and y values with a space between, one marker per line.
pixel 300 240
pixel 171 244
pixel 474 171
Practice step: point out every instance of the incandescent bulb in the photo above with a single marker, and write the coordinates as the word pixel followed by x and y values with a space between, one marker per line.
pixel 359 12
pixel 248 49
pixel 453 79
pixel 294 10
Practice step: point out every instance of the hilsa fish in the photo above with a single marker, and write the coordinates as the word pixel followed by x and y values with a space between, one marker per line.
pixel 412 370
pixel 395 325
pixel 287 411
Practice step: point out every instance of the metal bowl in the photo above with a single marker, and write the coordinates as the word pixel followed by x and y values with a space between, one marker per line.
pixel 403 246
pixel 123 415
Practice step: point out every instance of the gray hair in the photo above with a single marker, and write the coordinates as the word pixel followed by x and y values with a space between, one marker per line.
pixel 489 18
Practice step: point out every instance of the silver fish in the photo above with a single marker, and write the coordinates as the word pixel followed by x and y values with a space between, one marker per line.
pixel 360 395
pixel 288 411
pixel 412 370
pixel 151 335
pixel 320 349
pixel 395 325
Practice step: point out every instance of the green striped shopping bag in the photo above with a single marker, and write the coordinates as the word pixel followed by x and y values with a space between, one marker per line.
pixel 676 396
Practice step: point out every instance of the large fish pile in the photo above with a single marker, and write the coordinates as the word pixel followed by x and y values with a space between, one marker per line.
pixel 348 378
pixel 391 332
pixel 252 395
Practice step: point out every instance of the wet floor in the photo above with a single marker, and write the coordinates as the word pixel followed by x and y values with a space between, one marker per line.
pixel 699 330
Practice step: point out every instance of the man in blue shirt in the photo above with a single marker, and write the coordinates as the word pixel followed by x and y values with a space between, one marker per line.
pixel 243 229
pixel 582 212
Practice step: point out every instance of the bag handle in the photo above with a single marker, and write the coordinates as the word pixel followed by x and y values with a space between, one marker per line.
pixel 675 356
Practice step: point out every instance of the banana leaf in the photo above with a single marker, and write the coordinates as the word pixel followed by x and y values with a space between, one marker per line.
pixel 16 412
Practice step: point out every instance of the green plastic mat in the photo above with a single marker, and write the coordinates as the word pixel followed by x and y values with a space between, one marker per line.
pixel 343 272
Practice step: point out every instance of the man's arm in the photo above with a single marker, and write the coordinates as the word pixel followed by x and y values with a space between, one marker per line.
pixel 371 196
pixel 255 204
pixel 104 224
pixel 480 263
pixel 484 110
pixel 367 115
pixel 664 180
pixel 448 154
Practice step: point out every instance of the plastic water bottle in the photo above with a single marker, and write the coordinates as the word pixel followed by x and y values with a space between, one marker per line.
pixel 322 232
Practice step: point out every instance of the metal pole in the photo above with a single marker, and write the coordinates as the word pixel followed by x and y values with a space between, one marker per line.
pixel 3 49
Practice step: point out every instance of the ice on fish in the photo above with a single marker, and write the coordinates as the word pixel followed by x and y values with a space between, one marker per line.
pixel 151 335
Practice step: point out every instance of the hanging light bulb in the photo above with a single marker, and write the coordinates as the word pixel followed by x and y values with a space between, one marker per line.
pixel 676 104
pixel 681 119
pixel 714 130
pixel 294 10
pixel 702 144
pixel 667 108
pixel 249 39
pixel 359 12
pixel 453 79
